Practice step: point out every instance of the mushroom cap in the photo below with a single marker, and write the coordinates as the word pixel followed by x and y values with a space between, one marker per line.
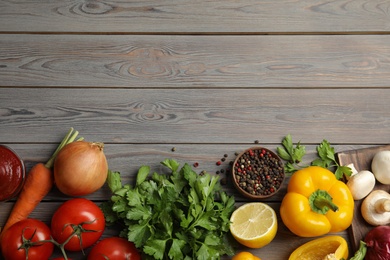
pixel 375 208
pixel 361 184
pixel 380 166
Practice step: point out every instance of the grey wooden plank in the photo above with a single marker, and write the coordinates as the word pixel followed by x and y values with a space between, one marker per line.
pixel 222 16
pixel 196 116
pixel 150 61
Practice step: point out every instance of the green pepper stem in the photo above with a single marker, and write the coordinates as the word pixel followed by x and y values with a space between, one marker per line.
pixel 321 202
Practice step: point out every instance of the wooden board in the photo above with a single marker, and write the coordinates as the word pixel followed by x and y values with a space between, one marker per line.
pixel 362 161
pixel 175 116
pixel 187 61
pixel 202 16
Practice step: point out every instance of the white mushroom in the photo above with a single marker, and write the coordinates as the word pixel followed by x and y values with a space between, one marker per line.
pixel 380 166
pixel 361 184
pixel 375 208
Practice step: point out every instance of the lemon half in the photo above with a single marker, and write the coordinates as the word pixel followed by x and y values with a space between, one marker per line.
pixel 254 224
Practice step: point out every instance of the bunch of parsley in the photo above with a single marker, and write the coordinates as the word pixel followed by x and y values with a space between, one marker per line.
pixel 180 215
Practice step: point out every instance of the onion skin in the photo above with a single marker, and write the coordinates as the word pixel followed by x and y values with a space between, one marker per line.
pixel 378 243
pixel 80 168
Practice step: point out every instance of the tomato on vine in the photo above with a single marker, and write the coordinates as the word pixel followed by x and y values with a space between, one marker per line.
pixel 114 248
pixel 27 239
pixel 77 224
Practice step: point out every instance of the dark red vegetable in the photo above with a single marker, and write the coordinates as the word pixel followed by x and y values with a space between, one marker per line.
pixel 81 221
pixel 23 241
pixel 378 243
pixel 114 248
pixel 12 173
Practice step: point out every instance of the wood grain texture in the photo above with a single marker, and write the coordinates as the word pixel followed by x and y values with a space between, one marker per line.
pixel 205 77
pixel 221 16
pixel 190 116
pixel 150 61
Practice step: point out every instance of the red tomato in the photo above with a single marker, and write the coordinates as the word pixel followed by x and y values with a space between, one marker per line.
pixel 34 231
pixel 114 248
pixel 80 219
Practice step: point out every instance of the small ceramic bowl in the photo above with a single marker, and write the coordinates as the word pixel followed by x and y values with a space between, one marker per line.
pixel 12 173
pixel 258 173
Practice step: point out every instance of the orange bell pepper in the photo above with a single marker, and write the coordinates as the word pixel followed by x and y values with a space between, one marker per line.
pixel 316 203
pixel 329 247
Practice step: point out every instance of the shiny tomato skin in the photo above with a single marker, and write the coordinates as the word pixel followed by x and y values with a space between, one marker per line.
pixel 114 248
pixel 12 240
pixel 77 211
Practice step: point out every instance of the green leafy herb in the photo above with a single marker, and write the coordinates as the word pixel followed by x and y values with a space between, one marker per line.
pixel 291 154
pixel 180 215
pixel 327 159
pixel 326 155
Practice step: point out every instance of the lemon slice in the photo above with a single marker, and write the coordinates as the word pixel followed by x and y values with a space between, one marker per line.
pixel 254 224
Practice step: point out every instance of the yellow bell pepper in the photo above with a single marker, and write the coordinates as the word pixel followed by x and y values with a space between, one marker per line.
pixel 329 247
pixel 316 203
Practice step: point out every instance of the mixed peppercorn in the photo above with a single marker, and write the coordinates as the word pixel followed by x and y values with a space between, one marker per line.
pixel 258 172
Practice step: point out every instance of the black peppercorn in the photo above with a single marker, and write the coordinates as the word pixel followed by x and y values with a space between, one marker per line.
pixel 258 172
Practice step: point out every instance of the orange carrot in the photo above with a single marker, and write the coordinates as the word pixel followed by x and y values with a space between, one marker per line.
pixel 39 181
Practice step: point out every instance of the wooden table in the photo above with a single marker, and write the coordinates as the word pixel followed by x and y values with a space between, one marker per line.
pixel 206 77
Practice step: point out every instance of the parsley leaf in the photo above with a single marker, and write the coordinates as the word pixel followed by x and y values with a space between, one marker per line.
pixel 114 182
pixel 143 172
pixel 179 215
pixel 326 155
pixel 327 159
pixel 291 154
pixel 155 248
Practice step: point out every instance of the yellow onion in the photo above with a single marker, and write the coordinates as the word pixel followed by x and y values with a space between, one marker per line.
pixel 80 168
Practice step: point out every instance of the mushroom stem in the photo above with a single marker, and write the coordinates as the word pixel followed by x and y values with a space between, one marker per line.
pixel 375 208
pixel 382 205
